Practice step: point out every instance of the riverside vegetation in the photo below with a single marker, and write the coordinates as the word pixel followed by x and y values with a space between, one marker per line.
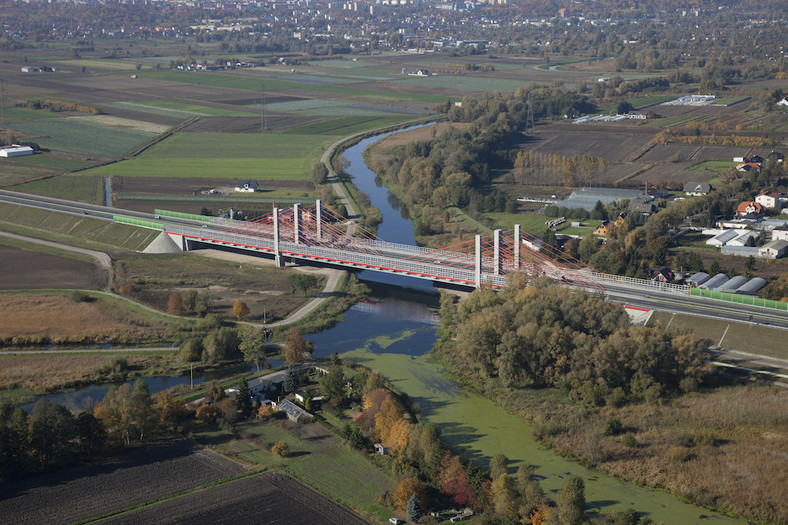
pixel 637 402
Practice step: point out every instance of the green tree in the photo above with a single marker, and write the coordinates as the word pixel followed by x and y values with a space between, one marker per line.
pixel 498 466
pixel 14 438
pixel 333 386
pixel 291 382
pixel 302 282
pixel 252 344
pixel 221 344
pixel 52 431
pixel 571 501
pixel 413 509
pixel 243 399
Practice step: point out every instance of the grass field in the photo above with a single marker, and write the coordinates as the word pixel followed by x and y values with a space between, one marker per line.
pixel 215 155
pixel 80 231
pixel 81 135
pixel 715 166
pixel 653 99
pixel 48 161
pixel 78 188
pixel 348 125
pixel 745 337
pixel 175 109
pixel 269 78
pixel 331 468
pixel 679 120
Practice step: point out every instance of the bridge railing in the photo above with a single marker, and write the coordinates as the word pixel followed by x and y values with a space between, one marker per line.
pixel 642 284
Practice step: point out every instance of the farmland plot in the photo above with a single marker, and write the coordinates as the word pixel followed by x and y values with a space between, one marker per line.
pixel 84 135
pixel 133 478
pixel 268 498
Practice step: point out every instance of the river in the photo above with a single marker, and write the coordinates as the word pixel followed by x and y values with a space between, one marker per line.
pixel 394 331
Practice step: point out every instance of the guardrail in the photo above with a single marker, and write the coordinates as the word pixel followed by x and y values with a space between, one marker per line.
pixel 739 299
pixel 142 223
pixel 180 215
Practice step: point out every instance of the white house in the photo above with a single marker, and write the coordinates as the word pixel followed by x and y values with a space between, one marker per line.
pixel 780 233
pixel 246 186
pixel 696 189
pixel 773 249
pixel 769 200
pixel 15 150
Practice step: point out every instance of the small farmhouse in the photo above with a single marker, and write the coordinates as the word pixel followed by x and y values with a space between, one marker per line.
pixel 294 412
pixel 696 189
pixel 15 150
pixel 246 186
pixel 780 233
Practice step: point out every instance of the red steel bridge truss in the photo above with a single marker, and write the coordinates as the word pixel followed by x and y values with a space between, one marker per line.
pixel 315 233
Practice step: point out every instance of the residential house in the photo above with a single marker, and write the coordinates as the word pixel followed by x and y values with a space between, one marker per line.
pixel 246 186
pixel 780 233
pixel 769 200
pixel 748 207
pixel 773 249
pixel 644 204
pixel 380 449
pixel 603 229
pixel 779 157
pixel 747 166
pixel 696 189
pixel 664 275
pixel 783 102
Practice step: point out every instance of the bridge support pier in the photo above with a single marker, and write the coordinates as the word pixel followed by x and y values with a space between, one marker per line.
pixel 497 252
pixel 318 221
pixel 296 223
pixel 478 266
pixel 278 261
pixel 516 246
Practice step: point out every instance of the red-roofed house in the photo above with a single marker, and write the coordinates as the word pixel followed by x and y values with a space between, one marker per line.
pixel 748 207
pixel 748 166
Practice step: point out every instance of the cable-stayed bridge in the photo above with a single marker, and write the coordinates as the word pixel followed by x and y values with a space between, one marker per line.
pixel 315 233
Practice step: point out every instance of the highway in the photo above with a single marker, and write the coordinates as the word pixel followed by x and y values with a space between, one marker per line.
pixel 385 253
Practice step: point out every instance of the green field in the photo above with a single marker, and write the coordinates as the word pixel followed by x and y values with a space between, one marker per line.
pixel 175 109
pixel 78 188
pixel 42 159
pixel 347 125
pixel 217 155
pixel 271 82
pixel 81 135
pixel 715 166
pixel 679 120
pixel 653 99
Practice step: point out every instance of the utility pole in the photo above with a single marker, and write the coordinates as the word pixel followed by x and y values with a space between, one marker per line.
pixel 191 376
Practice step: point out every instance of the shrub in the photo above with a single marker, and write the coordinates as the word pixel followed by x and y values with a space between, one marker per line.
pixel 679 454
pixel 280 449
pixel 688 384
pixel 628 440
pixel 613 427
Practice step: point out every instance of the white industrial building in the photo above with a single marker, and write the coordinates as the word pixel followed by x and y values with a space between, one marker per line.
pixel 773 249
pixel 15 150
